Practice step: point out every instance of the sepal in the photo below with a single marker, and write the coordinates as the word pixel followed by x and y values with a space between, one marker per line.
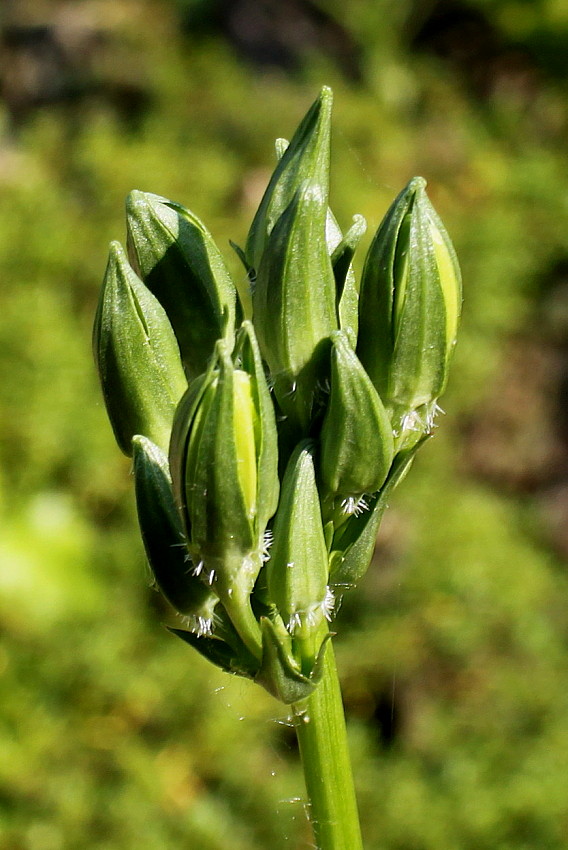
pixel 279 671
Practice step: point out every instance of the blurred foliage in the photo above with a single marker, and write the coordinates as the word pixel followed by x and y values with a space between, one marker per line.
pixel 454 652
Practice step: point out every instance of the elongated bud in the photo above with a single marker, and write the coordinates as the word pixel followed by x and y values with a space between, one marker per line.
pixel 164 540
pixel 223 460
pixel 306 158
pixel 356 438
pixel 137 357
pixel 409 308
pixel 178 260
pixel 294 302
pixel 297 570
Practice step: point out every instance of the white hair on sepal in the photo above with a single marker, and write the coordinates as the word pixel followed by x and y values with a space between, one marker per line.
pixel 354 505
pixel 267 541
pixel 198 568
pixel 200 626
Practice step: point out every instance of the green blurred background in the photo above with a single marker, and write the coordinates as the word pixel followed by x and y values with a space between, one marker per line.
pixel 454 650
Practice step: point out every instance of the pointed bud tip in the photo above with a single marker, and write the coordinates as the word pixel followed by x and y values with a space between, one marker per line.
pixel 417 184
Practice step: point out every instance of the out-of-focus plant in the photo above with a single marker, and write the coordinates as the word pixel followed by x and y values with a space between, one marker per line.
pixel 265 447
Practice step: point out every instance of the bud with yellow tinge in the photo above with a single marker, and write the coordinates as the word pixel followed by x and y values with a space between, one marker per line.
pixel 223 460
pixel 409 307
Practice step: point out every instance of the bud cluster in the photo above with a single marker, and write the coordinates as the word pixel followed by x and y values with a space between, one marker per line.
pixel 265 448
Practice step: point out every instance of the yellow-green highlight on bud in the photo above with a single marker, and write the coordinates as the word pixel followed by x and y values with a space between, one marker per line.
pixel 294 308
pixel 297 570
pixel 356 440
pixel 218 466
pixel 409 307
pixel 176 257
pixel 305 158
pixel 137 357
pixel 164 540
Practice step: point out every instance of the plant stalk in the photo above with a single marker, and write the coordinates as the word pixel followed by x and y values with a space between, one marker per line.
pixel 322 736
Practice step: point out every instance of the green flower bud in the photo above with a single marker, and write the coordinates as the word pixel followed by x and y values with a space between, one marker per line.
pixel 137 357
pixel 164 539
pixel 356 437
pixel 223 461
pixel 178 260
pixel 297 569
pixel 306 158
pixel 294 302
pixel 409 308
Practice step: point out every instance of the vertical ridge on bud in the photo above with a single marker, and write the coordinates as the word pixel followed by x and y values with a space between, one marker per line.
pixel 137 356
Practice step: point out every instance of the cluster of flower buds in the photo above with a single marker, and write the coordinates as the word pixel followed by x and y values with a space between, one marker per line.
pixel 265 448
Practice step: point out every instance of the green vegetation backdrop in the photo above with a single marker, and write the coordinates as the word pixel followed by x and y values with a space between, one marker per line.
pixel 453 653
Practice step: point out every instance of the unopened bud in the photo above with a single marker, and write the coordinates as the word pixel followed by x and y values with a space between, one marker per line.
pixel 222 466
pixel 294 302
pixel 179 262
pixel 356 437
pixel 409 308
pixel 306 158
pixel 137 356
pixel 297 569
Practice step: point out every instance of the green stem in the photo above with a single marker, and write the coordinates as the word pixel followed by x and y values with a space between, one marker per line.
pixel 320 727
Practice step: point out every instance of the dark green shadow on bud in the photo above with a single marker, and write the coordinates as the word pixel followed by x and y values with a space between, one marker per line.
pixel 305 158
pixel 163 538
pixel 137 357
pixel 220 653
pixel 178 260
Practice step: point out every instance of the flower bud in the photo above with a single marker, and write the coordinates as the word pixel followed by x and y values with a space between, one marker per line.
pixel 294 302
pixel 137 356
pixel 356 436
pixel 409 309
pixel 223 461
pixel 164 540
pixel 297 569
pixel 306 158
pixel 178 260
